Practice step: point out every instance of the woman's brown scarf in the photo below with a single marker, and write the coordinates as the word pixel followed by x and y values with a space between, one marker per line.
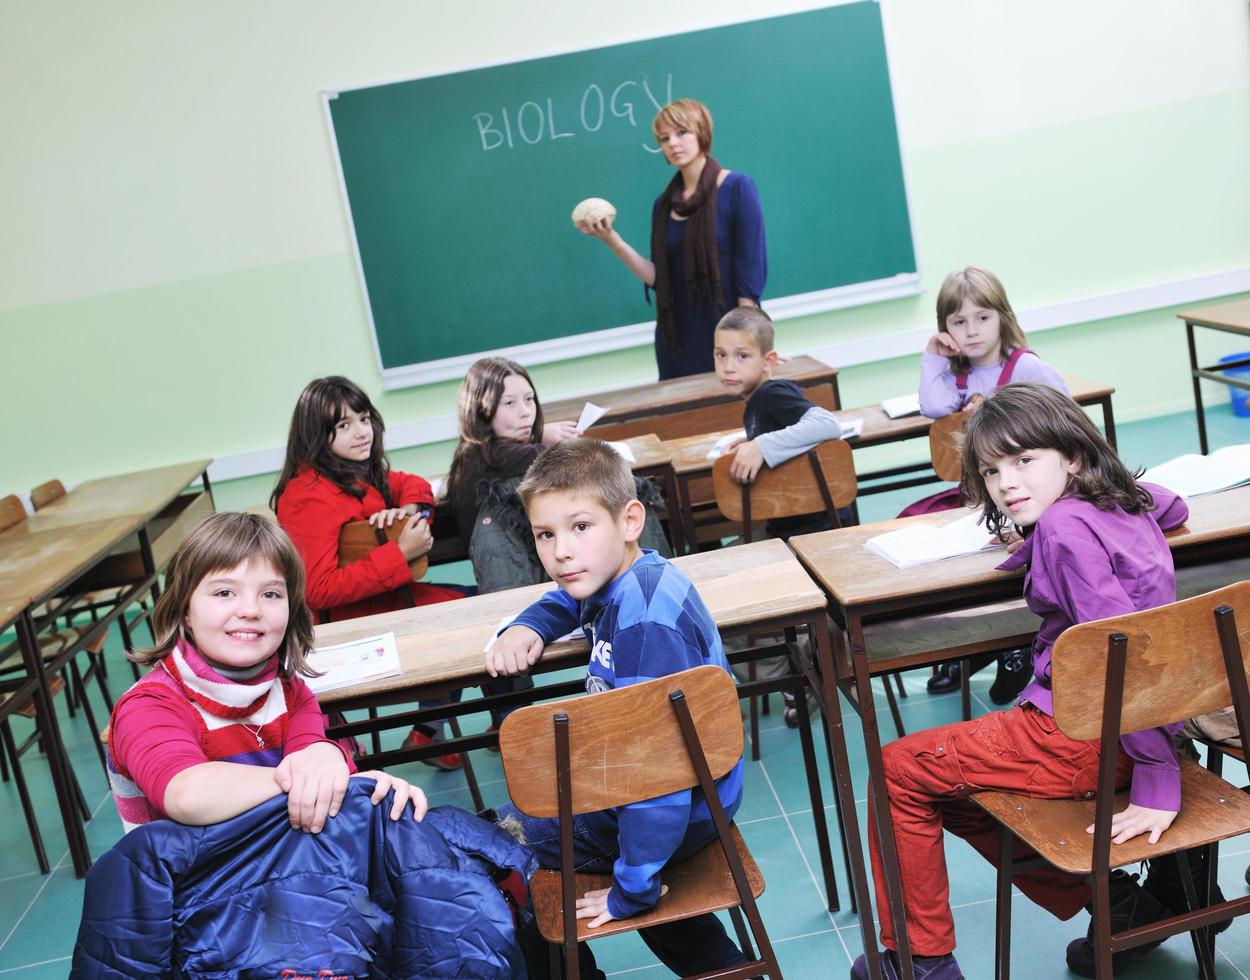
pixel 700 259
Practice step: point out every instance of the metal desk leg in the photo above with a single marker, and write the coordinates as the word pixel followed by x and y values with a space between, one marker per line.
pixel 878 798
pixel 846 796
pixel 54 747
pixel 1108 421
pixel 1193 371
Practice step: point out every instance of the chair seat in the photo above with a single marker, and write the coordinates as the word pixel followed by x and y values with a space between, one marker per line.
pixel 1211 810
pixel 52 644
pixel 28 708
pixel 701 884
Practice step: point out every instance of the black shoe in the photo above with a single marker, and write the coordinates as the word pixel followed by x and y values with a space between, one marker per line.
pixel 946 679
pixel 1131 906
pixel 1014 674
pixel 1164 883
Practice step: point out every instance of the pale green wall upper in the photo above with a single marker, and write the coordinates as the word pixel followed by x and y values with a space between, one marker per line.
pixel 177 263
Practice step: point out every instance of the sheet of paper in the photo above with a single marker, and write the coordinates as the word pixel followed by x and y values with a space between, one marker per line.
pixel 591 413
pixel 896 408
pixel 507 620
pixel 852 429
pixel 718 448
pixel 355 662
pixel 623 450
pixel 436 485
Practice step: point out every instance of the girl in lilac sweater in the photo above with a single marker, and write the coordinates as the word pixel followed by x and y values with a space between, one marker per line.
pixel 1094 547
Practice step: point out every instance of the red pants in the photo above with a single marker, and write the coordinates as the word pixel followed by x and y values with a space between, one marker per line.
pixel 929 776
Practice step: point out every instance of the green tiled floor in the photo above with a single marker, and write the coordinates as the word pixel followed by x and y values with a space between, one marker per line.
pixel 39 915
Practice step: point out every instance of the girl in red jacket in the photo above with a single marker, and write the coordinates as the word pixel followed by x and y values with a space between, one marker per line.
pixel 336 472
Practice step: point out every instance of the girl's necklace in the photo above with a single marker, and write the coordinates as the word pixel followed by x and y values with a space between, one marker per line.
pixel 255 732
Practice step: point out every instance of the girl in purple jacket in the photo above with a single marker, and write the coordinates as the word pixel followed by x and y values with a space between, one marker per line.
pixel 1093 546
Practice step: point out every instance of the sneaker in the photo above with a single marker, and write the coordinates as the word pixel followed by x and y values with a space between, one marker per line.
pixel 1014 673
pixel 925 967
pixel 1131 906
pixel 1164 883
pixel 791 713
pixel 419 739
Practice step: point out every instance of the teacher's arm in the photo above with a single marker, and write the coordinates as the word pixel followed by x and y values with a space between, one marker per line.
pixel 750 253
pixel 602 229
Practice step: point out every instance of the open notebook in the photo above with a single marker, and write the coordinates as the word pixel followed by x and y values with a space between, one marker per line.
pixel 1192 475
pixel 922 543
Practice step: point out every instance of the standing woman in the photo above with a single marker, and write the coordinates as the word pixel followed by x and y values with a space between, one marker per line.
pixel 707 242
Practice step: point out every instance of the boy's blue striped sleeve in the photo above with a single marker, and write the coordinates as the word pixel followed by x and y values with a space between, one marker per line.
pixel 552 616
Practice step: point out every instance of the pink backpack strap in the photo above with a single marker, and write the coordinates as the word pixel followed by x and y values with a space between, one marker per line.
pixel 1009 366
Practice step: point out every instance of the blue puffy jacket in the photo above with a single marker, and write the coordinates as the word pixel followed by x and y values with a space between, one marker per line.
pixel 250 897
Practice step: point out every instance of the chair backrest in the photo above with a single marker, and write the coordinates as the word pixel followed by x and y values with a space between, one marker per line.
pixel 45 493
pixel 791 489
pixel 1174 667
pixel 625 745
pixel 358 538
pixel 947 459
pixel 11 511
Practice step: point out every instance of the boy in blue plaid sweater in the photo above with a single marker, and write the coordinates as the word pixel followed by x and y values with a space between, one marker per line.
pixel 643 619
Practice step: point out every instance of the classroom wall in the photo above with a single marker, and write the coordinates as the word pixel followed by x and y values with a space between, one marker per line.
pixel 177 262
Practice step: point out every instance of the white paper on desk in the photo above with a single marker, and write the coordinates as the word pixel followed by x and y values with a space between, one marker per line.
pixel 920 544
pixel 591 413
pixel 896 408
pixel 436 486
pixel 507 621
pixel 623 450
pixel 354 662
pixel 718 449
pixel 1192 475
pixel 851 429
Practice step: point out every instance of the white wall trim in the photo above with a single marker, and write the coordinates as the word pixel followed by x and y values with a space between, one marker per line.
pixel 847 353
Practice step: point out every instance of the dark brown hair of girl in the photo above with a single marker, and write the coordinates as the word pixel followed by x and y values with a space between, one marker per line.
pixel 218 543
pixel 480 394
pixel 320 407
pixel 1027 415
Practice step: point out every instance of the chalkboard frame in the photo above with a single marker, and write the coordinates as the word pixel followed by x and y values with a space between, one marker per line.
pixel 629 335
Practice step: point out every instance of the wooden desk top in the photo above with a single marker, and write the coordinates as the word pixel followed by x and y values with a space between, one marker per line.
pixel 1230 316
pixel 854 576
pixel 36 563
pixel 10 609
pixel 659 397
pixel 648 451
pixel 138 496
pixel 445 641
pixel 690 452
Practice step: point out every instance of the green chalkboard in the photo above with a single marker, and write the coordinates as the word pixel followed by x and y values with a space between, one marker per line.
pixel 459 186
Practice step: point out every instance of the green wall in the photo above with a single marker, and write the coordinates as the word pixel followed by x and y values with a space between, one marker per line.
pixel 177 263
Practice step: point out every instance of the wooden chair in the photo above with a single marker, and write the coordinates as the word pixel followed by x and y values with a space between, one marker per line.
pixel 822 479
pixel 359 538
pixel 1127 674
pixel 619 747
pixel 11 511
pixel 943 446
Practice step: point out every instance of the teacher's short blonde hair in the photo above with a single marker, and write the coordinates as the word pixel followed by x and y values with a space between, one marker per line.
pixel 687 114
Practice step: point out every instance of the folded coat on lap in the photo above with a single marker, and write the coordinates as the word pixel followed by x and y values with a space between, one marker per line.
pixel 250 897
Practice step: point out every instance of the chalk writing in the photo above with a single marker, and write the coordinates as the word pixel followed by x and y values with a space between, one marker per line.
pixel 533 121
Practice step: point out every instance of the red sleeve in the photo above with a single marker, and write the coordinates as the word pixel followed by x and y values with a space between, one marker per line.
pixel 154 735
pixel 313 511
pixel 306 725
pixel 408 488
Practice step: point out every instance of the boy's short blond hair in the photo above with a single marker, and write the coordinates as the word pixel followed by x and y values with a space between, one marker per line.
pixel 587 466
pixel 753 322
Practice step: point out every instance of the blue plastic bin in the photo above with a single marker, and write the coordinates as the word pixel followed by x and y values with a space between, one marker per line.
pixel 1239 396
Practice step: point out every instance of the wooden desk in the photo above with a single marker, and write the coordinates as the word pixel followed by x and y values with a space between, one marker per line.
pixel 688 406
pixel 753 587
pixel 1227 318
pixel 72 543
pixel 866 591
pixel 693 469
